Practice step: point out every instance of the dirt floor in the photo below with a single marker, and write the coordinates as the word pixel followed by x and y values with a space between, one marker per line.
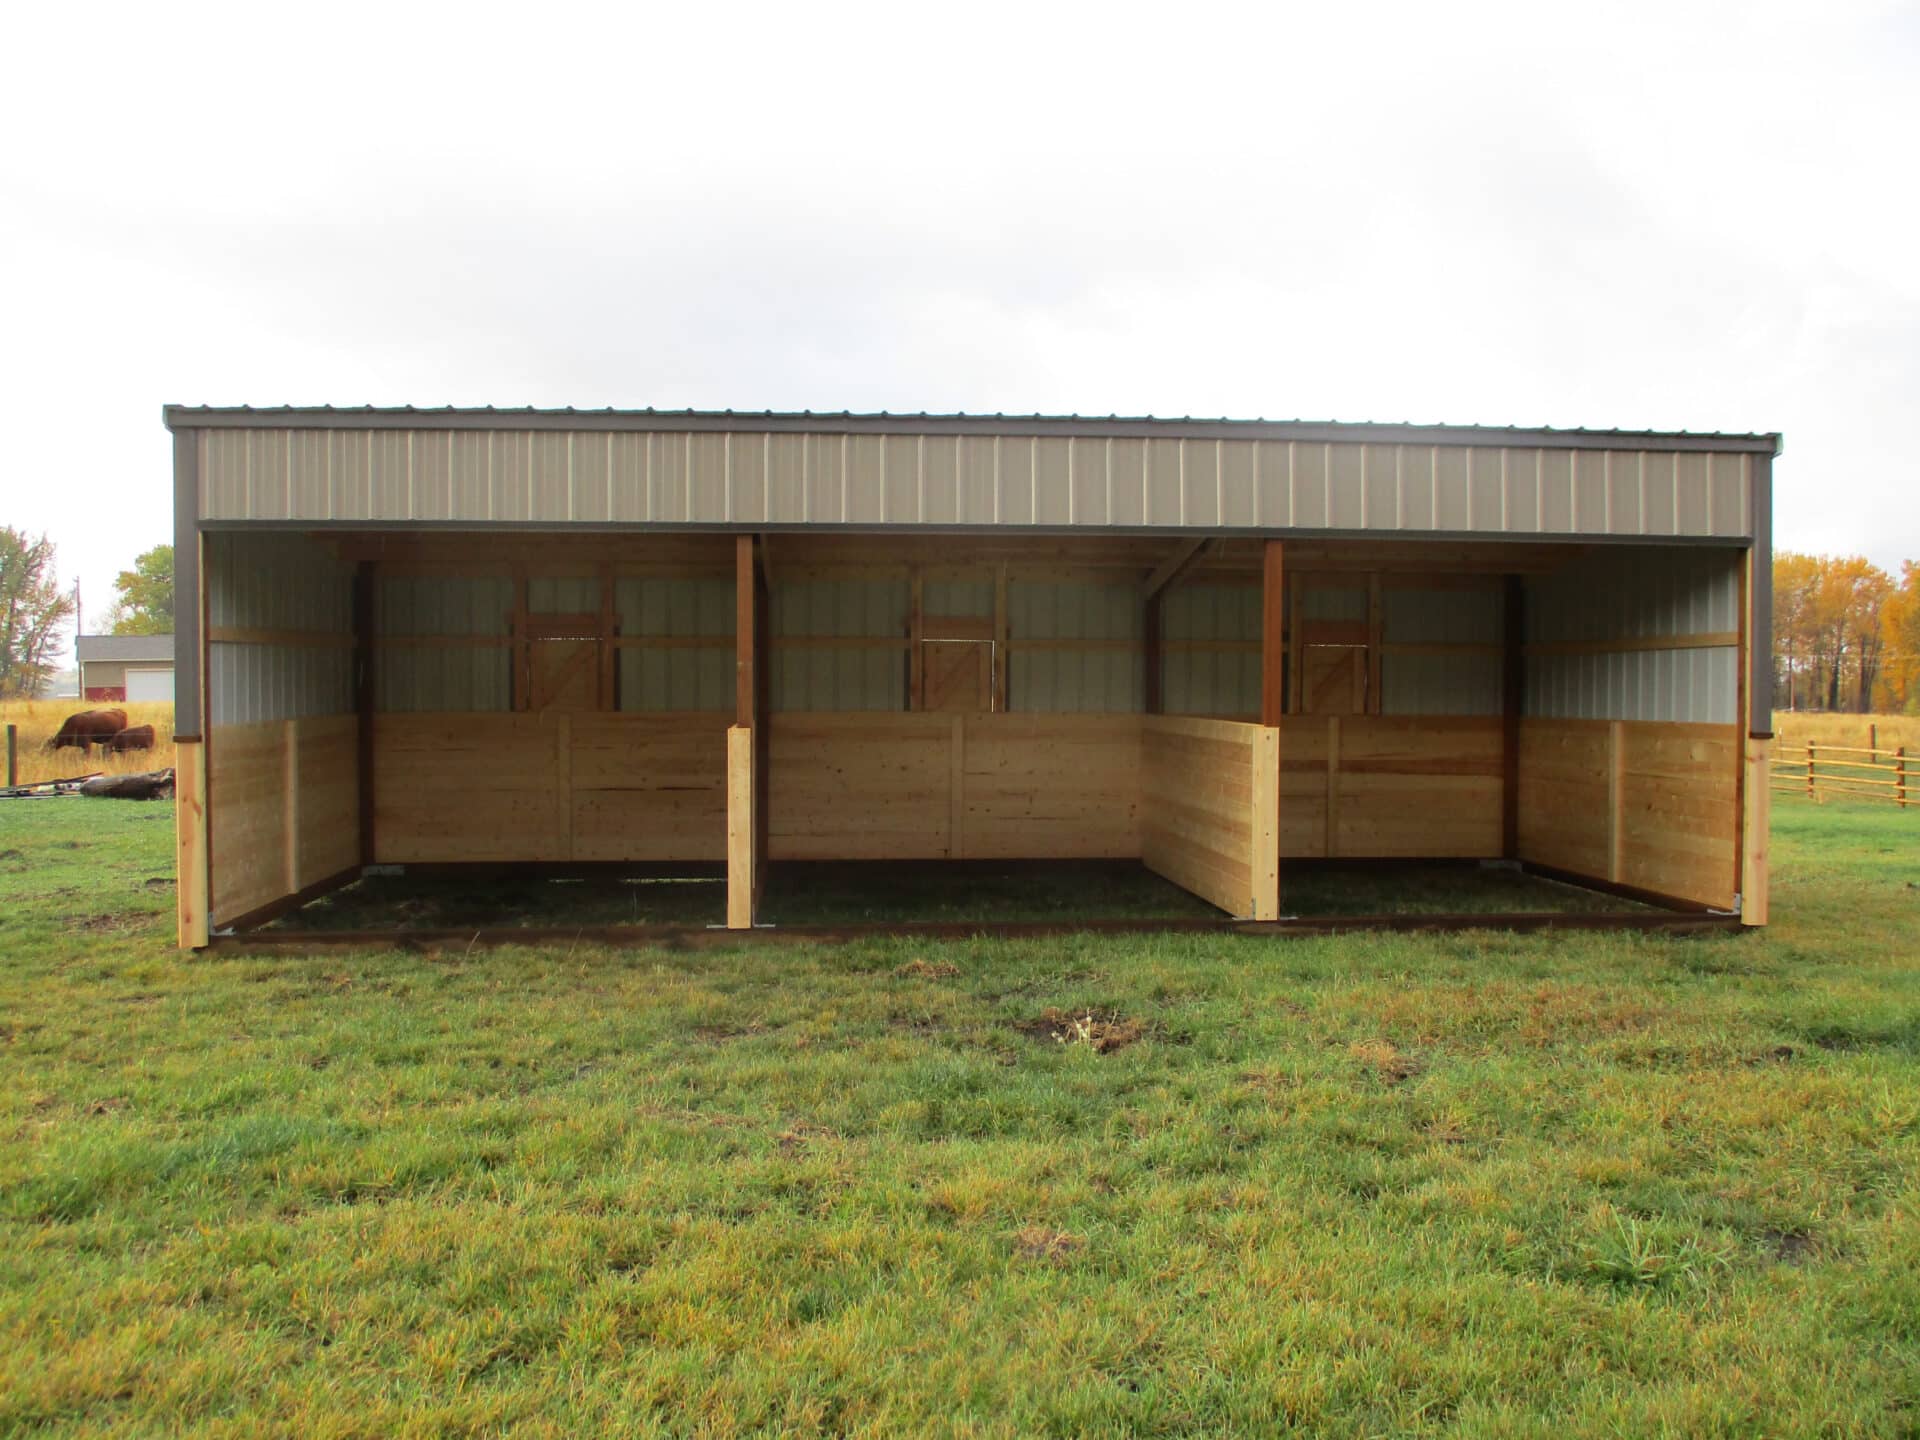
pixel 883 893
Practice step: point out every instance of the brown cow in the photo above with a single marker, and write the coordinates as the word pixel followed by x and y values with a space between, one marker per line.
pixel 140 737
pixel 87 728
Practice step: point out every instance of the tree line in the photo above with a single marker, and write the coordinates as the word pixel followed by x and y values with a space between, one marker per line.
pixel 35 608
pixel 1846 634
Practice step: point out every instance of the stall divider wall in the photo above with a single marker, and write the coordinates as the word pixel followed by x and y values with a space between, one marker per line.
pixel 1210 803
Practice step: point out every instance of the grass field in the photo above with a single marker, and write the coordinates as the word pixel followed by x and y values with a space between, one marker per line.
pixel 1475 1184
pixel 39 721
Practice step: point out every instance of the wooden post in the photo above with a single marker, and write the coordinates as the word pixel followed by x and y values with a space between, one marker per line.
pixel 916 657
pixel 1900 776
pixel 1755 821
pixel 740 827
pixel 13 756
pixel 1512 698
pixel 1810 794
pixel 1265 810
pixel 1000 637
pixel 363 706
pixel 190 841
pixel 1873 735
pixel 1273 645
pixel 745 744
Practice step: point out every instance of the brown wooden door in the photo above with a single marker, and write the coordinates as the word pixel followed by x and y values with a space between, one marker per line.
pixel 564 674
pixel 565 660
pixel 958 675
pixel 1333 680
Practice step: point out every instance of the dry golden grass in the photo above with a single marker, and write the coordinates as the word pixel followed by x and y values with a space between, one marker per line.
pixel 1888 730
pixel 39 721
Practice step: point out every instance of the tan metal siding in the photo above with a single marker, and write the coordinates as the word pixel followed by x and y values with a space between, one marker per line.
pixel 865 479
pixel 824 678
pixel 1216 680
pixel 1099 677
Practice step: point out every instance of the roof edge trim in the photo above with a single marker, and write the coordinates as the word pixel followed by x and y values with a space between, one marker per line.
pixel 327 417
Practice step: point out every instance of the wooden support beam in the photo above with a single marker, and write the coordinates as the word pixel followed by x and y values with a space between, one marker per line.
pixel 744 611
pixel 364 705
pixel 1754 824
pixel 1177 564
pixel 1296 643
pixel 190 841
pixel 609 683
pixel 741 825
pixel 1273 635
pixel 1265 813
pixel 1376 624
pixel 1512 698
pixel 916 656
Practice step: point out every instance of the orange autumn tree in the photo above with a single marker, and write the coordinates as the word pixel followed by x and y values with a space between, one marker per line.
pixel 1898 688
pixel 1829 627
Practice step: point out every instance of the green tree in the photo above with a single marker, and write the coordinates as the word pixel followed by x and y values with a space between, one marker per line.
pixel 32 609
pixel 143 596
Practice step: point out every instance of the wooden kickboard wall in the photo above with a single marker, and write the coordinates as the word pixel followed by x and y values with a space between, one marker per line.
pixel 1208 790
pixel 521 787
pixel 1654 805
pixel 938 787
pixel 283 809
pixel 1390 786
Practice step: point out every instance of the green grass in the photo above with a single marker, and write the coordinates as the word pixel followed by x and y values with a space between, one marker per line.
pixel 1480 1184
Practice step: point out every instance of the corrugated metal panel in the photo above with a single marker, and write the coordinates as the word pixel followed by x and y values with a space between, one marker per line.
pixel 418 677
pixel 1444 684
pixel 276 582
pixel 1211 682
pixel 957 597
pixel 841 679
pixel 1636 594
pixel 675 677
pixel 563 595
pixel 1099 678
pixel 747 477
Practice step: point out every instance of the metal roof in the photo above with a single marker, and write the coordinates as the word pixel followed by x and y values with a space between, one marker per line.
pixel 410 417
pixel 123 647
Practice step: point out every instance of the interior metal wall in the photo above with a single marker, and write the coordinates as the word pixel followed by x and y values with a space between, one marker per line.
pixel 675 677
pixel 435 677
pixel 1455 682
pixel 1628 595
pixel 1102 676
pixel 276 582
pixel 1217 682
pixel 816 678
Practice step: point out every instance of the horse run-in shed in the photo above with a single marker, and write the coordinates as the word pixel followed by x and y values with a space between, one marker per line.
pixel 441 637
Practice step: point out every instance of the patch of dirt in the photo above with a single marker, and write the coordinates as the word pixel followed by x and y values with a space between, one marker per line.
pixel 926 970
pixel 117 923
pixel 1037 1242
pixel 12 855
pixel 1103 1031
pixel 159 882
pixel 721 1034
pixel 1789 1247
pixel 107 1106
pixel 1778 1055
pixel 1393 1066
pixel 793 1141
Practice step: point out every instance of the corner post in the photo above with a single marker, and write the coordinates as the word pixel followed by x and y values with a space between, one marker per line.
pixel 743 824
pixel 192 883
pixel 1273 695
pixel 363 707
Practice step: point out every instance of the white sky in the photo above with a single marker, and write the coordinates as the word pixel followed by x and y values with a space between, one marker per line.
pixel 1668 215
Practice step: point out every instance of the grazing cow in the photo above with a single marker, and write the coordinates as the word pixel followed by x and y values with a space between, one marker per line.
pixel 139 737
pixel 87 728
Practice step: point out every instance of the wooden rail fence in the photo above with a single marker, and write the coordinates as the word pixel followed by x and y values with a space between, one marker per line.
pixel 1819 771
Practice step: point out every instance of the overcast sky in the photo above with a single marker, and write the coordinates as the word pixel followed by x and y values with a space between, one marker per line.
pixel 1671 215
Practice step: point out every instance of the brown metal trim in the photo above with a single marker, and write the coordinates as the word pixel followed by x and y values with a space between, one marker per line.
pixel 189 637
pixel 1672 903
pixel 328 417
pixel 700 937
